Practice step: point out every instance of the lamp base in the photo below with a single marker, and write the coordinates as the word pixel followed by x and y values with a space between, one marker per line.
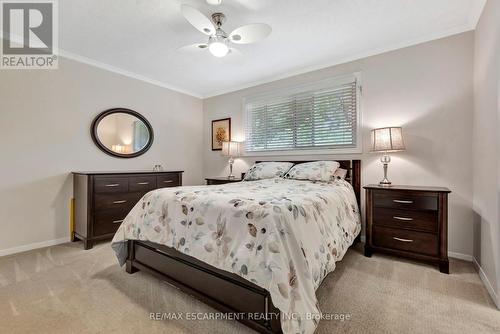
pixel 385 183
pixel 230 176
pixel 385 160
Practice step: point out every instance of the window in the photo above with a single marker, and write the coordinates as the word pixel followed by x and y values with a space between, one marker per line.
pixel 319 116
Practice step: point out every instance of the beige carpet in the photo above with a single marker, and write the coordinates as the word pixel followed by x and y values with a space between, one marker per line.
pixel 64 289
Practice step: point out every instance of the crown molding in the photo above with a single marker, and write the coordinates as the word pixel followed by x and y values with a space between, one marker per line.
pixel 370 53
pixel 110 68
pixel 366 54
pixel 476 13
pixel 474 19
pixel 81 59
pixel 121 71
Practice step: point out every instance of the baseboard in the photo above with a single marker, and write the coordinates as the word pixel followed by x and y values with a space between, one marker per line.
pixel 487 283
pixel 480 270
pixel 25 248
pixel 461 256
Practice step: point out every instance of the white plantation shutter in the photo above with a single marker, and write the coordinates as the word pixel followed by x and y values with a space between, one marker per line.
pixel 319 116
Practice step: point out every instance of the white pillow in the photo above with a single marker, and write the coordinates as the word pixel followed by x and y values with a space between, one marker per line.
pixel 267 170
pixel 314 171
pixel 340 174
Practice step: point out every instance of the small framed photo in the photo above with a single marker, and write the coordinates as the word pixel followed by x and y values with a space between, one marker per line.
pixel 221 132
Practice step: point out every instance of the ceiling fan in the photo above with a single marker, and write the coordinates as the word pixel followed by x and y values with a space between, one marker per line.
pixel 219 42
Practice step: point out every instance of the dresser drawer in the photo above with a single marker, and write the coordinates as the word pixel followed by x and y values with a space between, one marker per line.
pixel 124 201
pixel 405 240
pixel 407 219
pixel 106 222
pixel 167 180
pixel 404 200
pixel 142 183
pixel 111 185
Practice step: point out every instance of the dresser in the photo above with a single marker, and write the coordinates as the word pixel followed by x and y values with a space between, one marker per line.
pixel 408 221
pixel 102 200
pixel 220 180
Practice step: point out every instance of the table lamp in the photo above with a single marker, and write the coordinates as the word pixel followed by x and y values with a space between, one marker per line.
pixel 387 140
pixel 231 149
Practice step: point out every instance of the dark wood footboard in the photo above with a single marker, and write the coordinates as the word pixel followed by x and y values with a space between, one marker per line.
pixel 224 291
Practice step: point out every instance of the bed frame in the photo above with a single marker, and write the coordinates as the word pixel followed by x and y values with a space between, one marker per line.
pixel 224 291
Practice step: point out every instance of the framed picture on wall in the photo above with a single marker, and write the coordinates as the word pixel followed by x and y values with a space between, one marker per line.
pixel 221 132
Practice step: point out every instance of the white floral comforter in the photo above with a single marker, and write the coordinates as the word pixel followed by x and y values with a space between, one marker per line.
pixel 283 235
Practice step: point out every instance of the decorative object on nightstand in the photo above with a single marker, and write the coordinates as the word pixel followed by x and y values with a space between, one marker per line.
pixel 231 149
pixel 408 221
pixel 387 140
pixel 220 180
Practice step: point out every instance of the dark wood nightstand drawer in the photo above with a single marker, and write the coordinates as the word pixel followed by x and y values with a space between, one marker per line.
pixel 142 183
pixel 405 240
pixel 405 200
pixel 167 180
pixel 408 219
pixel 211 181
pixel 111 184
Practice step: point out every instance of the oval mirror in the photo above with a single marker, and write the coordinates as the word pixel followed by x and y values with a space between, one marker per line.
pixel 122 133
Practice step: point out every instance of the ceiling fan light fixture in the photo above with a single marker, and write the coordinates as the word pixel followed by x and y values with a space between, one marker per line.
pixel 220 43
pixel 218 47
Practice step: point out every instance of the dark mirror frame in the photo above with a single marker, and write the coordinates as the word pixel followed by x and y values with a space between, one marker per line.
pixel 95 137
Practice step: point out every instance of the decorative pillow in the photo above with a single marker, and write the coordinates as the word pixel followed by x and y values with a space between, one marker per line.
pixel 267 170
pixel 340 174
pixel 314 171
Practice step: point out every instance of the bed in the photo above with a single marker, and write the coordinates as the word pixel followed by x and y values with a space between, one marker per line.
pixel 255 250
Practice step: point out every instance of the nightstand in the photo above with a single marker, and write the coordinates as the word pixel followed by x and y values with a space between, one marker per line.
pixel 220 180
pixel 408 221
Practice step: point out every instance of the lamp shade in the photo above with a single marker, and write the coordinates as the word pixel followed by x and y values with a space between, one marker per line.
pixel 231 148
pixel 387 140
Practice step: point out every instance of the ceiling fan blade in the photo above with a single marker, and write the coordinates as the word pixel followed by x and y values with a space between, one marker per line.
pixel 198 20
pixel 214 2
pixel 250 33
pixel 194 47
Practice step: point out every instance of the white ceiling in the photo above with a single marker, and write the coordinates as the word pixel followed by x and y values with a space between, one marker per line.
pixel 140 38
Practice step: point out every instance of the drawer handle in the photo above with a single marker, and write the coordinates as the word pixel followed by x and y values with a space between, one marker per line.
pixel 403 218
pixel 402 201
pixel 402 240
pixel 168 181
pixel 143 183
pixel 118 221
pixel 119 202
pixel 113 185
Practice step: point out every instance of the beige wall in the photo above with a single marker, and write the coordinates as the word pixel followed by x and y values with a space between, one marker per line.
pixel 45 116
pixel 487 146
pixel 427 89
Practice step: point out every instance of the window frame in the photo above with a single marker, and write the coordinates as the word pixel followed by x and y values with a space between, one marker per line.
pixel 296 89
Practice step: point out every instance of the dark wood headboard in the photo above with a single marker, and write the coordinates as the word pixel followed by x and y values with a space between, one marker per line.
pixel 353 168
